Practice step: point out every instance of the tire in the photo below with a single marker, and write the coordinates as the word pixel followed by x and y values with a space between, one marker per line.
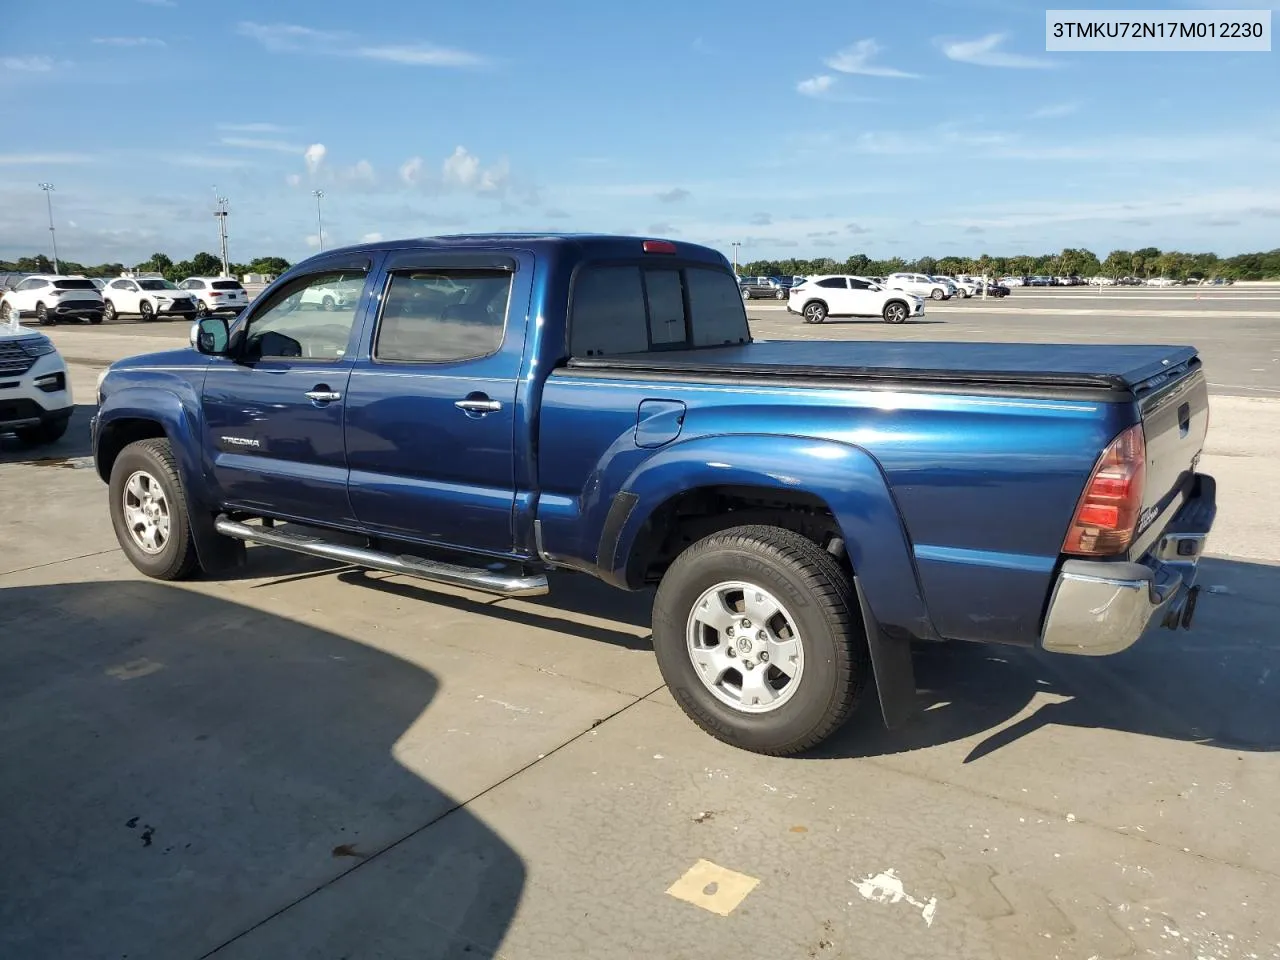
pixel 895 311
pixel 42 314
pixel 46 433
pixel 146 312
pixel 746 294
pixel 780 295
pixel 175 556
pixel 328 303
pixel 815 311
pixel 95 318
pixel 6 312
pixel 815 599
pixel 202 309
pixel 937 294
pixel 109 311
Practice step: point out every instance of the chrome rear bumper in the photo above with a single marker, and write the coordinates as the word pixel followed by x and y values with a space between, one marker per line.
pixel 1101 607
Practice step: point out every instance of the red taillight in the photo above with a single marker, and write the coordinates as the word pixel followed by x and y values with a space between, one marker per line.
pixel 1108 511
pixel 215 295
pixel 659 246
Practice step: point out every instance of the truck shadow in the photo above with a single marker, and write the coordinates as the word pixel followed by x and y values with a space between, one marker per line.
pixel 74 443
pixel 179 773
pixel 1215 685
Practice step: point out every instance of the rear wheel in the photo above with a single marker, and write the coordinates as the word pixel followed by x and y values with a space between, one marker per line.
pixel 895 312
pixel 42 314
pixel 146 311
pixel 328 302
pixel 780 294
pixel 746 294
pixel 815 312
pixel 937 293
pixel 109 310
pixel 6 312
pixel 758 637
pixel 149 511
pixel 202 308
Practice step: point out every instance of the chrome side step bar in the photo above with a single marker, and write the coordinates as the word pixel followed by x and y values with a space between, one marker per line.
pixel 486 581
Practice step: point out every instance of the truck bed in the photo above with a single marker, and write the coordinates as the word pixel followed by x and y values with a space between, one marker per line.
pixel 1105 367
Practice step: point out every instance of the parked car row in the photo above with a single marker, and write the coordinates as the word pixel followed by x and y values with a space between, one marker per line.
pixel 920 285
pixel 51 298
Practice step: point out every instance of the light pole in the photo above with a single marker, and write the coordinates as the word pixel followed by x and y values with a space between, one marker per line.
pixel 736 244
pixel 319 195
pixel 53 236
pixel 222 213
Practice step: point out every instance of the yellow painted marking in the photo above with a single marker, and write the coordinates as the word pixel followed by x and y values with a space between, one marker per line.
pixel 134 669
pixel 713 888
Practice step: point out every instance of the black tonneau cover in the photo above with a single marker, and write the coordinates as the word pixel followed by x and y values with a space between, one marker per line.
pixel 1102 366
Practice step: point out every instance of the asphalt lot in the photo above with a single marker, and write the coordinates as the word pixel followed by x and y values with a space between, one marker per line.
pixel 309 761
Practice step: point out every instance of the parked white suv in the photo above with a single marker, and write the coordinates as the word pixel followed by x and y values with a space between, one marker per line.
pixel 50 298
pixel 216 294
pixel 841 295
pixel 35 394
pixel 148 298
pixel 920 285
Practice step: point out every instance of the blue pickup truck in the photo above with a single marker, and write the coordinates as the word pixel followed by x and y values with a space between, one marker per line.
pixel 481 410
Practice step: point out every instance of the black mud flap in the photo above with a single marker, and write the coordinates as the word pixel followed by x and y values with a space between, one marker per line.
pixel 892 667
pixel 217 554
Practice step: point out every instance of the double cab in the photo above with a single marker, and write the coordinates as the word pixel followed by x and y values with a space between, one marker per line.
pixel 485 410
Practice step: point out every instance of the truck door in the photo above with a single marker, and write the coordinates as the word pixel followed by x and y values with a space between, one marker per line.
pixel 432 405
pixel 273 415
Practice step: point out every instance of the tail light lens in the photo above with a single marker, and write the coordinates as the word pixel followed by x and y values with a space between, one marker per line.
pixel 1108 511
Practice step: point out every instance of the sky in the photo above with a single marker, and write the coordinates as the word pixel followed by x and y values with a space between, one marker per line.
pixel 920 127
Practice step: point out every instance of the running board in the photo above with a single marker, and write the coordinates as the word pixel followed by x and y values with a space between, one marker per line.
pixel 486 581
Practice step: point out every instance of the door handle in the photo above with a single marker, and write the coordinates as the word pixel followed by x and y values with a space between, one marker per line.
pixel 478 405
pixel 323 396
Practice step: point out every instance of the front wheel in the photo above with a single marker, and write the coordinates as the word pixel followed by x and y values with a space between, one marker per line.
pixel 780 294
pixel 758 636
pixel 149 511
pixel 895 312
pixel 51 431
pixel 109 311
pixel 328 303
pixel 746 294
pixel 815 312
pixel 146 311
pixel 42 314
pixel 6 312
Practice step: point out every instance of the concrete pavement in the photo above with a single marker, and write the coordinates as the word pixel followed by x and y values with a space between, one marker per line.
pixel 310 761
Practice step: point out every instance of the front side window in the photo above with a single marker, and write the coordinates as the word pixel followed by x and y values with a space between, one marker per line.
pixel 435 316
pixel 304 321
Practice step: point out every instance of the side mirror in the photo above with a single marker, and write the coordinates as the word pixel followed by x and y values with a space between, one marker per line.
pixel 210 336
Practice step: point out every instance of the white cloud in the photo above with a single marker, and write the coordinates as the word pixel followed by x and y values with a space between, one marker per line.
pixel 27 64
pixel 362 172
pixel 1053 110
pixel 293 179
pixel 294 38
pixel 252 128
pixel 494 180
pixel 857 59
pixel 42 159
pixel 411 171
pixel 675 195
pixel 663 228
pixel 461 168
pixel 983 52
pixel 422 55
pixel 254 143
pixel 313 239
pixel 371 238
pixel 816 86
pixel 129 41
pixel 314 157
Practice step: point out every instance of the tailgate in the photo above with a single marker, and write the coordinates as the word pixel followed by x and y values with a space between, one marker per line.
pixel 1175 419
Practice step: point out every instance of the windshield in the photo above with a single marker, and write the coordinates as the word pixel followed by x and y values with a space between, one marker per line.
pixel 157 285
pixel 76 284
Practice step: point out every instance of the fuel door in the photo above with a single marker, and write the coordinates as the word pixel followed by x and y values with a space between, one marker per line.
pixel 658 422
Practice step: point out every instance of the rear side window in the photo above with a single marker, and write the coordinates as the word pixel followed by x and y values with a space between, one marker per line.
pixel 630 309
pixel 222 285
pixel 74 285
pixel 435 316
pixel 832 283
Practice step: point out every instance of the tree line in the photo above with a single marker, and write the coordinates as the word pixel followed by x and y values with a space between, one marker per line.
pixel 1144 263
pixel 201 265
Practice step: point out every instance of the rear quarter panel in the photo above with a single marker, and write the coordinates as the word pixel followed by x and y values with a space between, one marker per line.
pixel 984 486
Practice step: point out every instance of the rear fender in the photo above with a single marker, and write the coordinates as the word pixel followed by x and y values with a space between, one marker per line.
pixel 177 415
pixel 843 476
